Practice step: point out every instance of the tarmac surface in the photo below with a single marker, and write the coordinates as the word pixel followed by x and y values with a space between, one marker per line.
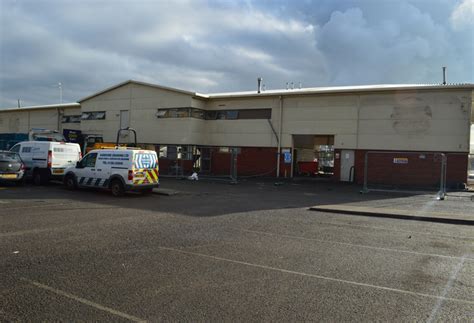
pixel 214 252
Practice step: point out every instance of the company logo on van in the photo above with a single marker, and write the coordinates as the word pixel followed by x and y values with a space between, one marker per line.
pixel 145 161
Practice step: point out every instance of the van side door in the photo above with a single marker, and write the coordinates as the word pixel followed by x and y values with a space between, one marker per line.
pixel 85 170
pixel 40 154
pixel 26 154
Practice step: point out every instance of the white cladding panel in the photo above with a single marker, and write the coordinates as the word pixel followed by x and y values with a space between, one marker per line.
pixel 425 120
pixel 143 102
pixel 23 121
pixel 403 120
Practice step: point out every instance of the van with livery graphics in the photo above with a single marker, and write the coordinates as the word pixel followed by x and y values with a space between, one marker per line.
pixel 120 170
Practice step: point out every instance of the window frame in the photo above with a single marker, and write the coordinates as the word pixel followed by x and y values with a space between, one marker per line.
pixel 93 115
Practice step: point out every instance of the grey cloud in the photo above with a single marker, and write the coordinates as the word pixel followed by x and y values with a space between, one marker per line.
pixel 210 46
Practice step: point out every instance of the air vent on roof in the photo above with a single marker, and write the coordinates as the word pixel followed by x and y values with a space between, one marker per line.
pixel 259 85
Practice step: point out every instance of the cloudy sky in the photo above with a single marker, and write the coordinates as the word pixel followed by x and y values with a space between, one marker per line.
pixel 217 46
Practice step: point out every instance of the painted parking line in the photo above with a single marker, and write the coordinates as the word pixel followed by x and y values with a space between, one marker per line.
pixel 354 245
pixel 332 279
pixel 84 301
pixel 447 288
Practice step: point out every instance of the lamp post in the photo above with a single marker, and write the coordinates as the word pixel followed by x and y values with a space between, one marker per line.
pixel 60 92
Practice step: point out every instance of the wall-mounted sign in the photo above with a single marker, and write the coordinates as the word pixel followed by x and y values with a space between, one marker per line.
pixel 287 156
pixel 400 160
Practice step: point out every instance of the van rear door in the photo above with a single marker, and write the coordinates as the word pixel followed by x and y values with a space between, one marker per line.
pixel 145 167
pixel 63 155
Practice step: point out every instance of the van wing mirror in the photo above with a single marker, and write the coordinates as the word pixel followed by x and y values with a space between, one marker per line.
pixel 78 164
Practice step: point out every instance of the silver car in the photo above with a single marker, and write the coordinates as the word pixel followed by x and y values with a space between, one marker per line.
pixel 12 168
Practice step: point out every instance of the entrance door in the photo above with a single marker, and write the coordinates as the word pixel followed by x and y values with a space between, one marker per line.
pixel 124 120
pixel 347 162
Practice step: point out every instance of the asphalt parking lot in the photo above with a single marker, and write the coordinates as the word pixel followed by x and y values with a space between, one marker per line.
pixel 220 252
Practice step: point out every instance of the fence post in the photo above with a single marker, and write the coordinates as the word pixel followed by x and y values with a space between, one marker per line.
pixel 365 189
pixel 233 165
pixel 442 183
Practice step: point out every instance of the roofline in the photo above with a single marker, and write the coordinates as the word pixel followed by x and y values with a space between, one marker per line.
pixel 161 87
pixel 341 89
pixel 47 106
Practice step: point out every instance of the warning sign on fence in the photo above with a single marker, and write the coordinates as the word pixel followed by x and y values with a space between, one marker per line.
pixel 400 160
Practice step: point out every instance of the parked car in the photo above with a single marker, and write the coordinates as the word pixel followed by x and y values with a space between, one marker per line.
pixel 12 168
pixel 120 170
pixel 45 160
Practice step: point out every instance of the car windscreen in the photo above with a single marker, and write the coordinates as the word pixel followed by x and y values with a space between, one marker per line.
pixel 9 157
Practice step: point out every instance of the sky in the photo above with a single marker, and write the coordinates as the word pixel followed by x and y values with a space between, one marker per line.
pixel 224 45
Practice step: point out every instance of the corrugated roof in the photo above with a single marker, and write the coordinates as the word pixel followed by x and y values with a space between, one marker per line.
pixel 47 106
pixel 341 89
pixel 283 92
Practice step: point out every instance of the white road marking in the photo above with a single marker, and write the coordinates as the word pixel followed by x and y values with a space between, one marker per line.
pixel 292 272
pixel 84 301
pixel 447 288
pixel 354 245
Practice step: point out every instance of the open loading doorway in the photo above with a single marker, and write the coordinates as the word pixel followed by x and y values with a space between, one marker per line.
pixel 313 155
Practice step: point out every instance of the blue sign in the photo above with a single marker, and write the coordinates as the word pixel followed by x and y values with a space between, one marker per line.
pixel 72 135
pixel 287 156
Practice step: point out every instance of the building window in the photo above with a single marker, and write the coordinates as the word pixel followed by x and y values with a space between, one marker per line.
pixel 180 113
pixel 239 114
pixel 174 152
pixel 71 119
pixel 100 115
pixel 255 114
pixel 198 113
pixel 214 114
pixel 173 113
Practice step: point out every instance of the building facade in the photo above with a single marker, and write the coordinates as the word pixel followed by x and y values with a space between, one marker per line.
pixel 336 132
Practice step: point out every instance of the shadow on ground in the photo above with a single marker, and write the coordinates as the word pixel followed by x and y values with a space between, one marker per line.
pixel 204 198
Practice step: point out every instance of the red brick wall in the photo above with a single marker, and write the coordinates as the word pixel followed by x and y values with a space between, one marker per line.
pixel 251 161
pixel 220 162
pixel 418 172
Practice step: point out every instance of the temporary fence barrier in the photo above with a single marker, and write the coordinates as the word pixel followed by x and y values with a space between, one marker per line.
pixel 390 171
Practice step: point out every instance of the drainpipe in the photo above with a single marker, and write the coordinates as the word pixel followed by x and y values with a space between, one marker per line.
pixel 59 118
pixel 279 136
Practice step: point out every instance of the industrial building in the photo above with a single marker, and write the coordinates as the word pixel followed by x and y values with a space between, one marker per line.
pixel 394 134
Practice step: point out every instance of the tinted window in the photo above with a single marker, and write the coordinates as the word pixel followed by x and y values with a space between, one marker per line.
pixel 255 114
pixel 100 115
pixel 89 160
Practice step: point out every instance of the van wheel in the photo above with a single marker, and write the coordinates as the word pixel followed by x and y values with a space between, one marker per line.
pixel 117 188
pixel 40 177
pixel 37 178
pixel 70 182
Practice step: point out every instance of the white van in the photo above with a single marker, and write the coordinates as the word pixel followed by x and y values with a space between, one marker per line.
pixel 46 159
pixel 120 170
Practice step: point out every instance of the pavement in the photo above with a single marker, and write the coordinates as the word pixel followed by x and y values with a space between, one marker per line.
pixel 219 252
pixel 458 207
